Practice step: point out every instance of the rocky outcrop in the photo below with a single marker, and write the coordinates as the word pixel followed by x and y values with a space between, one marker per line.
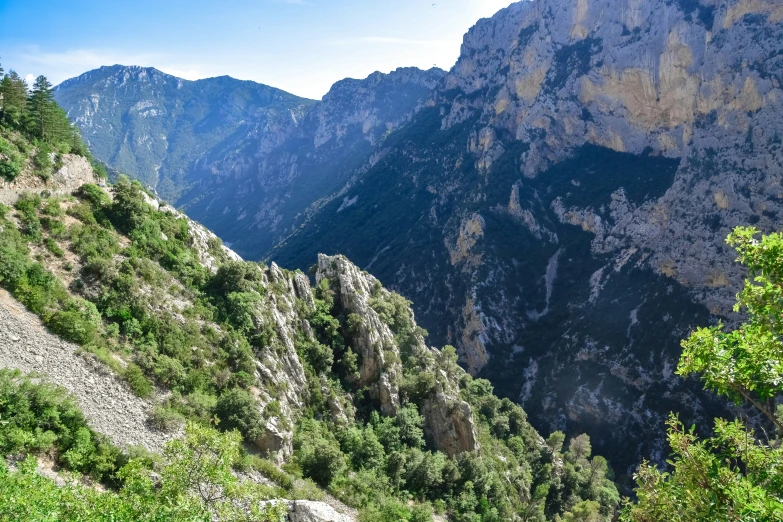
pixel 380 368
pixel 71 173
pixel 278 366
pixel 449 424
pixel 311 511
pixel 448 420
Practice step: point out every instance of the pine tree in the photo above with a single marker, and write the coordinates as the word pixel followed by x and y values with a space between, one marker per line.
pixel 14 92
pixel 41 109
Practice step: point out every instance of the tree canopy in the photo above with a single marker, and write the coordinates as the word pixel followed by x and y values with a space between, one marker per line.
pixel 737 473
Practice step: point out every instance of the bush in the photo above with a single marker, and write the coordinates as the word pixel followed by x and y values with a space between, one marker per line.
pixel 11 161
pixel 138 383
pixel 272 472
pixel 78 322
pixel 322 461
pixel 238 410
pixel 130 207
pixel 94 195
pixel 53 247
pixel 38 417
pixel 166 419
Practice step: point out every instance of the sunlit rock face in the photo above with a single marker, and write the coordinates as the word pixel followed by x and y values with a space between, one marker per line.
pixel 557 207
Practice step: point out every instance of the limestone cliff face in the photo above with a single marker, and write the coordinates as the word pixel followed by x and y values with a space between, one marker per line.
pixel 448 420
pixel 685 81
pixel 563 195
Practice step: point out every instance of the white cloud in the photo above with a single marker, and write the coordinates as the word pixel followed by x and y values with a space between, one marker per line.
pixel 30 79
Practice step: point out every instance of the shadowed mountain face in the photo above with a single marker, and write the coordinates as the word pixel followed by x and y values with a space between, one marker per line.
pixel 555 205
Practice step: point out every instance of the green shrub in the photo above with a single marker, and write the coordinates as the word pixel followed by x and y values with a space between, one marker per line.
pixel 238 410
pixel 94 195
pixel 53 247
pixel 166 419
pixel 11 161
pixel 140 385
pixel 272 472
pixel 322 461
pixel 78 322
pixel 38 417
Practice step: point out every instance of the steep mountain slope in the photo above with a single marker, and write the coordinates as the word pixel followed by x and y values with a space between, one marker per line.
pixel 168 132
pixel 564 196
pixel 335 379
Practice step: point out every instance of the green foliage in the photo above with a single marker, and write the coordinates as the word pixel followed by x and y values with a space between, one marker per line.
pixel 166 419
pixel 734 474
pixel 38 118
pixel 195 482
pixel 140 385
pixel 39 417
pixel 11 160
pixel 238 410
pixel 130 209
pixel 43 163
pixel 270 471
pixel 318 453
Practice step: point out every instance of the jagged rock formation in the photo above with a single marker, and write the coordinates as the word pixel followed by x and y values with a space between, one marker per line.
pixel 448 420
pixel 380 367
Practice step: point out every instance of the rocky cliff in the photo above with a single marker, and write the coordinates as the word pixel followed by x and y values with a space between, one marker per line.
pixel 564 195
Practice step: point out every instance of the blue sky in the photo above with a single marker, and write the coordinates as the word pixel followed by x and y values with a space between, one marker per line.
pixel 301 46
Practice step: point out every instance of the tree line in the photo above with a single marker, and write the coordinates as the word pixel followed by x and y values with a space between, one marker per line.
pixel 33 124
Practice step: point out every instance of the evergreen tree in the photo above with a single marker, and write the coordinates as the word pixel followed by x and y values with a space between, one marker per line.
pixel 41 109
pixel 14 92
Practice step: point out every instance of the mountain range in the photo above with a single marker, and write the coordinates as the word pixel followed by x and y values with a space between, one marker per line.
pixel 555 205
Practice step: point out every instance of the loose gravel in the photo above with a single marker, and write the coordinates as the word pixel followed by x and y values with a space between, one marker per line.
pixel 106 400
